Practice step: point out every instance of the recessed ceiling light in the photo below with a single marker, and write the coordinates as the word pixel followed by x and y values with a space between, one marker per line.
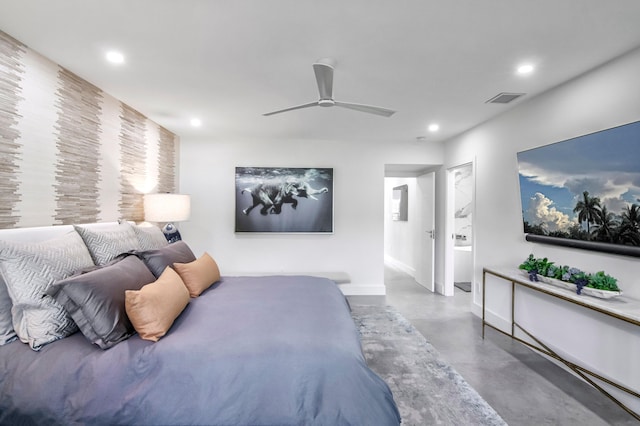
pixel 115 57
pixel 434 127
pixel 525 69
pixel 196 122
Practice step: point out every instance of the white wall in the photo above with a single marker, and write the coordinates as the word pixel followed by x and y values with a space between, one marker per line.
pixel 401 237
pixel 603 98
pixel 207 170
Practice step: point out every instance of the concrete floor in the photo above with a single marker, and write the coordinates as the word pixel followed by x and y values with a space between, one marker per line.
pixel 522 386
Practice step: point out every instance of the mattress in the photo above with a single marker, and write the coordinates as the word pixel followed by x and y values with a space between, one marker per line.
pixel 276 350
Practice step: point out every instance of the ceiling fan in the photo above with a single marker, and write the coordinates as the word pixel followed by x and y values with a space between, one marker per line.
pixel 324 77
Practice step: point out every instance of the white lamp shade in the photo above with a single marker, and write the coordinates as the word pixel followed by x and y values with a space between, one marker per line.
pixel 167 207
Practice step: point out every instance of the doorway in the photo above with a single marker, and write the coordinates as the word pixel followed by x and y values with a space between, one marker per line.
pixel 409 238
pixel 460 206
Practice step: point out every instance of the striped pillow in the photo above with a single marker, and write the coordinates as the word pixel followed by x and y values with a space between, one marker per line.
pixel 7 334
pixel 29 269
pixel 105 244
pixel 150 237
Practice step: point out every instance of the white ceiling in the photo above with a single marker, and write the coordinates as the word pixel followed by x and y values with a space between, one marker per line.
pixel 228 62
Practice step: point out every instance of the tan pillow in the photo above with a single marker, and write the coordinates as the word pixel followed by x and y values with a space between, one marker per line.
pixel 198 275
pixel 154 307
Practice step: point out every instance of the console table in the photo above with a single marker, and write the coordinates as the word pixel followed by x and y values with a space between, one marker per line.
pixel 623 308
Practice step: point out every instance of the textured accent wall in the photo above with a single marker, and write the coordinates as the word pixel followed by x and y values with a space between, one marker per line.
pixel 71 153
pixel 166 161
pixel 78 143
pixel 132 162
pixel 11 71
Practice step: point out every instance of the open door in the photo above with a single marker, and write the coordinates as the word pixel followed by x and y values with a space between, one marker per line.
pixel 459 241
pixel 425 194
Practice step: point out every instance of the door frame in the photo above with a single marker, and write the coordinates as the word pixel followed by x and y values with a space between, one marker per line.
pixel 450 229
pixel 428 282
pixel 414 171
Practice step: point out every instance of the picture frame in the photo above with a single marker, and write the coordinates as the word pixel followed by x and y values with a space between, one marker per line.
pixel 284 200
pixel 400 203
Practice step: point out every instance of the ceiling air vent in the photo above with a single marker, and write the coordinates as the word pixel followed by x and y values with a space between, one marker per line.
pixel 504 98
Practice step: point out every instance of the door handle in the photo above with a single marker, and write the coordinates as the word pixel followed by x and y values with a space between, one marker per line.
pixel 432 234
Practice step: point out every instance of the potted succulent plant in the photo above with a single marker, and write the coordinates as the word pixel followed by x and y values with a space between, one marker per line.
pixel 536 267
pixel 599 284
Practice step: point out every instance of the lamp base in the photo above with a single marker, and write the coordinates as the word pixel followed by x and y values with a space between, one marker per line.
pixel 171 233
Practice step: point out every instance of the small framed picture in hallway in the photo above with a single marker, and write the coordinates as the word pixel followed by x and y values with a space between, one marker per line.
pixel 284 199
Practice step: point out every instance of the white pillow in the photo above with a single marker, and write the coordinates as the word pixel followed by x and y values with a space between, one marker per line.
pixel 150 237
pixel 6 322
pixel 107 242
pixel 29 269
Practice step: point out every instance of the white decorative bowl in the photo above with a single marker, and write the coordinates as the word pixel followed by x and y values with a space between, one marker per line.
pixel 594 292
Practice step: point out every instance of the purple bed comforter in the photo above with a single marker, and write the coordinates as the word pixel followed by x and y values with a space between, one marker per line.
pixel 277 350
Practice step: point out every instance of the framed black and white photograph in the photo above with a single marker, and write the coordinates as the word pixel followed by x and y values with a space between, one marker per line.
pixel 284 199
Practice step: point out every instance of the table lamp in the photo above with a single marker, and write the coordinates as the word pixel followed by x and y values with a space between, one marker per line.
pixel 167 208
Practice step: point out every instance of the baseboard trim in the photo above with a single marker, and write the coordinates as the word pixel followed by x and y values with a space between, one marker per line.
pixel 496 320
pixel 401 266
pixel 476 309
pixel 362 290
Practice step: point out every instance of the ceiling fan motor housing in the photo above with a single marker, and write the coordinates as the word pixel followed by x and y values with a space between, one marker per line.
pixel 326 102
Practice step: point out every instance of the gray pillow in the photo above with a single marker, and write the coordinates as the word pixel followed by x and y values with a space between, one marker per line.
pixel 95 300
pixel 7 334
pixel 106 243
pixel 157 260
pixel 150 237
pixel 29 269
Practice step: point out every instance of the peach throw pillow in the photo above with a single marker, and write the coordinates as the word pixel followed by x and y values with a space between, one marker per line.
pixel 198 275
pixel 153 309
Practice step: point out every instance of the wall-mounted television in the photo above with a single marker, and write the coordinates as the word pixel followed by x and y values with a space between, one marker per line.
pixel 584 192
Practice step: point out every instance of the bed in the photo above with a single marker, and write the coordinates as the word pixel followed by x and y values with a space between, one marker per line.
pixel 272 350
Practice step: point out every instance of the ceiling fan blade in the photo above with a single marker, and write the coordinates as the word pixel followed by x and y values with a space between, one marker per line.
pixel 311 104
pixel 324 78
pixel 366 108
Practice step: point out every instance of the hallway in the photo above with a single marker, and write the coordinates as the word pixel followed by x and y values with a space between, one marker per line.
pixel 522 386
